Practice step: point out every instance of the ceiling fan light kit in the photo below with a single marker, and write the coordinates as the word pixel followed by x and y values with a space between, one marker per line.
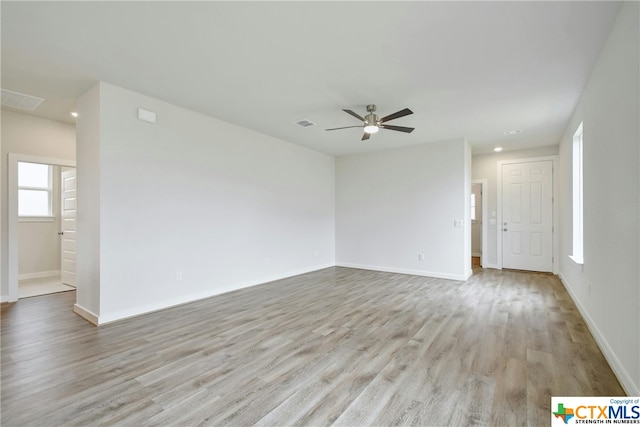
pixel 371 123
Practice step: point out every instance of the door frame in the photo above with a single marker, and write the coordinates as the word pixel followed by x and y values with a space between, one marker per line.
pixel 555 215
pixel 484 185
pixel 12 214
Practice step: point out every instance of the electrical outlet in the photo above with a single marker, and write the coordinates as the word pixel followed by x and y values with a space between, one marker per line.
pixel 457 223
pixel 421 257
pixel 178 275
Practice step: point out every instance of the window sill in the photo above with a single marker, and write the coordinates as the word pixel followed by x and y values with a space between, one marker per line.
pixel 577 260
pixel 36 219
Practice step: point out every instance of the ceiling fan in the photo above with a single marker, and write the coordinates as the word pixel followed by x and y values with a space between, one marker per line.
pixel 371 123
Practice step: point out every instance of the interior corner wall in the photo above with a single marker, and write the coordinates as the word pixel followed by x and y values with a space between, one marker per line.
pixel 485 166
pixel 32 136
pixel 606 288
pixel 191 206
pixel 392 206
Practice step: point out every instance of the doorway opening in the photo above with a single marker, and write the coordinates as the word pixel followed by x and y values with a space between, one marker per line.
pixel 37 222
pixel 478 222
pixel 46 229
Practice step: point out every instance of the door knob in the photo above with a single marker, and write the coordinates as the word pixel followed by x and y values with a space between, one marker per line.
pixel 61 233
pixel 504 229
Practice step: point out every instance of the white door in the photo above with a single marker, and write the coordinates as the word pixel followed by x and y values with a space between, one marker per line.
pixel 527 216
pixel 68 228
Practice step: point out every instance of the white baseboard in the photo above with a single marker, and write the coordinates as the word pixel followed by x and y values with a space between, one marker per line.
pixel 618 369
pixel 39 275
pixel 459 277
pixel 150 308
pixel 476 254
pixel 487 265
pixel 86 314
pixel 4 298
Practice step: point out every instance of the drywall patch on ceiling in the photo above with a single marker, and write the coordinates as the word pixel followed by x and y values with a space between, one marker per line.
pixel 20 101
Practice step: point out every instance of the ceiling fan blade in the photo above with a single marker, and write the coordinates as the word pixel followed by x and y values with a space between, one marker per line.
pixel 396 115
pixel 346 127
pixel 354 115
pixel 399 128
pixel 365 136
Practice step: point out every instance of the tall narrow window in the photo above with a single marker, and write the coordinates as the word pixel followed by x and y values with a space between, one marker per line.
pixel 34 190
pixel 577 254
pixel 473 207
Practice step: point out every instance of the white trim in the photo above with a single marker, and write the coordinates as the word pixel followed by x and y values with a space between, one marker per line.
pixel 476 254
pixel 484 187
pixel 555 213
pixel 36 218
pixel 618 368
pixel 12 214
pixel 577 260
pixel 577 197
pixel 39 275
pixel 494 266
pixel 85 314
pixel 4 298
pixel 186 299
pixel 457 277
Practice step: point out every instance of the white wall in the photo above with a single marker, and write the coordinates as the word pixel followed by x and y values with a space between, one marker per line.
pixel 466 208
pixel 485 166
pixel 226 206
pixel 34 136
pixel 88 206
pixel 607 287
pixel 393 205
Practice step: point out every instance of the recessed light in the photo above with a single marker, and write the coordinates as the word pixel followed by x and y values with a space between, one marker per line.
pixel 497 149
pixel 74 114
pixel 513 132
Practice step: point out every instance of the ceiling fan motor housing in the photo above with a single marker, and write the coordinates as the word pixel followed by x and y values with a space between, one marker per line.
pixel 371 119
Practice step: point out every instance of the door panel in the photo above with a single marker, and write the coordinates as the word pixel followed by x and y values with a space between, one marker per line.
pixel 68 226
pixel 527 206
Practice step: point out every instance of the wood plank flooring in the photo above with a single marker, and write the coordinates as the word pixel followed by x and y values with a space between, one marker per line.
pixel 339 346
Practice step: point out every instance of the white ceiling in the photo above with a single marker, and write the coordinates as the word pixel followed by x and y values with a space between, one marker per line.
pixel 466 69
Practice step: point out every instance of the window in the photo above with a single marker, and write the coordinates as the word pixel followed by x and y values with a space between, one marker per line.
pixel 34 190
pixel 577 255
pixel 473 207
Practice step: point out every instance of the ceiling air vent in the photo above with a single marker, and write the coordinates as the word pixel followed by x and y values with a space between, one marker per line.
pixel 20 100
pixel 304 123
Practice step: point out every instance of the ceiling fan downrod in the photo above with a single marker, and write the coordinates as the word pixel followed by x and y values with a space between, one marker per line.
pixel 371 118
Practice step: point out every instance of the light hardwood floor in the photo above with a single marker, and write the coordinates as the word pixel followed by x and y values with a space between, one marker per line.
pixel 42 286
pixel 339 346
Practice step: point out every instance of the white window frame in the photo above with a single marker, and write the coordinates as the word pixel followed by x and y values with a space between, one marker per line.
pixel 577 254
pixel 473 207
pixel 49 190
